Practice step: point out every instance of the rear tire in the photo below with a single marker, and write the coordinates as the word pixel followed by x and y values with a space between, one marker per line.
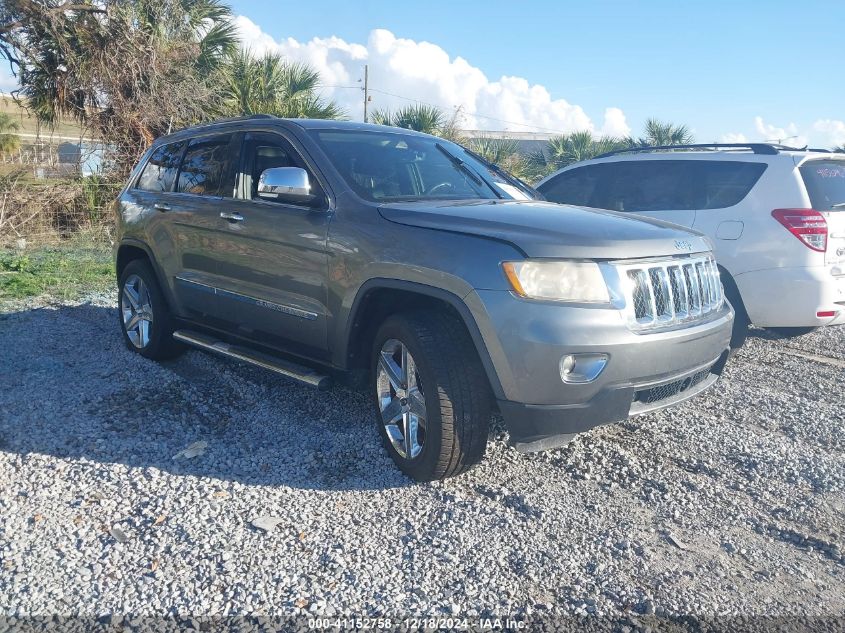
pixel 144 315
pixel 442 389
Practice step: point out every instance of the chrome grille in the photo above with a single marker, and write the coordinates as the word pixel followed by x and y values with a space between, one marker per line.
pixel 665 293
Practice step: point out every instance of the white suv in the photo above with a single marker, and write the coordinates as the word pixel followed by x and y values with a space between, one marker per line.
pixel 776 216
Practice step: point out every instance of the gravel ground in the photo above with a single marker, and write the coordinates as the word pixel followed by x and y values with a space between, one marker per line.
pixel 732 504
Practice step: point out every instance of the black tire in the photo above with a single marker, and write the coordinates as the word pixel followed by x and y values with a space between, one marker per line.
pixel 741 320
pixel 160 344
pixel 454 387
pixel 791 332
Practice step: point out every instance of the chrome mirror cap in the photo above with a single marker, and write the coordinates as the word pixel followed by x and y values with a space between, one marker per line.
pixel 285 183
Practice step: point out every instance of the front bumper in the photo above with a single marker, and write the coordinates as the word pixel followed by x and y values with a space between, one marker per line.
pixel 793 297
pixel 526 340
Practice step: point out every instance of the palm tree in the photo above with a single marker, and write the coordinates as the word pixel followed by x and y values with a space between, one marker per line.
pixel 419 117
pixel 503 152
pixel 65 75
pixel 564 150
pixel 270 85
pixel 839 150
pixel 127 71
pixel 662 133
pixel 9 141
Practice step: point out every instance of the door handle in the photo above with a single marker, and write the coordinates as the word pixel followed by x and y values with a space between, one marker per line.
pixel 232 217
pixel 160 206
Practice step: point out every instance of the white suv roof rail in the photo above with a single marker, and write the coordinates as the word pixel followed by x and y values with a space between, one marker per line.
pixel 758 148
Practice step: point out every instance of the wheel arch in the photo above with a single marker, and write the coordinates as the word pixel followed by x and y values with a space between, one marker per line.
pixel 131 250
pixel 732 293
pixel 379 298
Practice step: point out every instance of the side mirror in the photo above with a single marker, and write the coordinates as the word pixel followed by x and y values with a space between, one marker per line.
pixel 285 184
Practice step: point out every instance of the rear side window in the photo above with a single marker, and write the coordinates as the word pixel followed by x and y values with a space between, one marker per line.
pixel 160 171
pixel 825 182
pixel 205 169
pixel 656 185
pixel 726 183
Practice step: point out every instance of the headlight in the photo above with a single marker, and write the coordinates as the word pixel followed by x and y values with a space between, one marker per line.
pixel 580 282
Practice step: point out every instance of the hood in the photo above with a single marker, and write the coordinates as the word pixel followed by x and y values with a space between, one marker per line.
pixel 546 229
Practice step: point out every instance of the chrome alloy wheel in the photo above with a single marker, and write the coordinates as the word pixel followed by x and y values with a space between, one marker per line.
pixel 137 311
pixel 400 399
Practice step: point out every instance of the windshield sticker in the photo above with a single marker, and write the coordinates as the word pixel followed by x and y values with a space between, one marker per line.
pixel 831 172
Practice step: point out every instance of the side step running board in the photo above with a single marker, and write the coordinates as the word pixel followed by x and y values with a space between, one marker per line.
pixel 285 368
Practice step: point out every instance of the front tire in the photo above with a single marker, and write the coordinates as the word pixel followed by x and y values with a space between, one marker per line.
pixel 432 398
pixel 145 318
pixel 741 320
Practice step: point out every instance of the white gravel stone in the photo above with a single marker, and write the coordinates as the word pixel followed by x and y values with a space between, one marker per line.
pixel 747 481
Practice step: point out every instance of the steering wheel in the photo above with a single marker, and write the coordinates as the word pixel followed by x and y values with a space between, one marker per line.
pixel 441 186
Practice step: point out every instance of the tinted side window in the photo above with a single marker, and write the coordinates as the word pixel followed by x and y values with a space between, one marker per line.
pixel 205 169
pixel 654 185
pixel 160 171
pixel 575 186
pixel 725 183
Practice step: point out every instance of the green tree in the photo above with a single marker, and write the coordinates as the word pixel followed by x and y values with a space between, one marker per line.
pixel 566 149
pixel 9 140
pixel 662 133
pixel 270 85
pixel 421 118
pixel 503 152
pixel 128 70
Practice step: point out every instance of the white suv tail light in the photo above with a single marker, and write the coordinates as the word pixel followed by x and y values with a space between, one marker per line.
pixel 808 225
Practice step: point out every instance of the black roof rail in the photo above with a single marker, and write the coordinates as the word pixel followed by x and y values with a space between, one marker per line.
pixel 234 119
pixel 757 148
pixel 248 117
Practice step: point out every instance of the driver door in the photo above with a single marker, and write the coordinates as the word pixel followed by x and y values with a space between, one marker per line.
pixel 273 273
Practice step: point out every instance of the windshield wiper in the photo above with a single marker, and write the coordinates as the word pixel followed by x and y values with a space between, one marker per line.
pixel 510 178
pixel 457 162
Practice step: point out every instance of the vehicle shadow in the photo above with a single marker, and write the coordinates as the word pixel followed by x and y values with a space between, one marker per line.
pixel 70 388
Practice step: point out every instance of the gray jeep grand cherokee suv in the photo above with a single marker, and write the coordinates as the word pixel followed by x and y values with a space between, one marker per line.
pixel 405 263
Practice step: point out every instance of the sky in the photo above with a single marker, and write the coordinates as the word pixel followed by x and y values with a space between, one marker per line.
pixel 731 71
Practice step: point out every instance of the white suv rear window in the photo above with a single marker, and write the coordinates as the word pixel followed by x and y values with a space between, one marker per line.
pixel 825 182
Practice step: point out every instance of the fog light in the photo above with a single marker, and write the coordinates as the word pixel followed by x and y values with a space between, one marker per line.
pixel 579 368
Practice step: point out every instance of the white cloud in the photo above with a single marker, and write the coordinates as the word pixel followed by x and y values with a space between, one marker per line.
pixel 833 131
pixel 423 71
pixel 615 123
pixel 733 137
pixel 788 135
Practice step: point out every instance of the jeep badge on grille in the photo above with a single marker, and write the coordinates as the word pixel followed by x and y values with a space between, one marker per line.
pixel 683 245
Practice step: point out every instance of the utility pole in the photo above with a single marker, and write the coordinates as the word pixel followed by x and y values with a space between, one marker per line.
pixel 366 87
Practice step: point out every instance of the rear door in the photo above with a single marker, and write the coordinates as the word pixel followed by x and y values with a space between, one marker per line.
pixel 273 264
pixel 203 188
pixel 825 183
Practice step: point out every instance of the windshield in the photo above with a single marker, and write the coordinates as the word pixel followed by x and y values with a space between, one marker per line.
pixel 391 166
pixel 825 181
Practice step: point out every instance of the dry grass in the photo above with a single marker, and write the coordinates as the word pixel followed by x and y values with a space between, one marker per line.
pixel 29 126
